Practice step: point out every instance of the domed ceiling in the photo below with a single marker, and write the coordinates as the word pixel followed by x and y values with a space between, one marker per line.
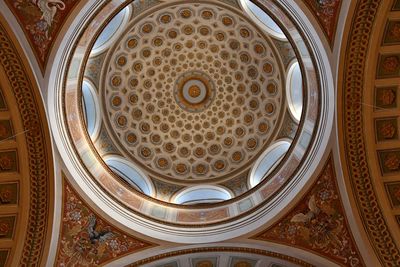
pixel 167 105
pixel 190 97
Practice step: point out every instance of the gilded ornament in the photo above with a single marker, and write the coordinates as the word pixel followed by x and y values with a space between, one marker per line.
pixel 131 138
pixel 116 101
pixel 162 163
pixel 271 88
pixel 263 127
pixel 133 98
pixel 267 68
pixel 391 64
pixel 186 13
pixel 199 152
pixel 132 43
pixel 219 165
pixel 245 33
pixel 240 131
pixel 207 14
pixel 214 149
pixel 388 130
pixel 237 156
pixel 158 41
pixel 147 28
pixel 172 34
pixel 116 81
pixel 137 67
pixel 252 143
pixel 122 121
pixel 392 162
pixel 188 30
pixel 200 169
pixel 204 31
pixel 259 49
pixel 165 19
pixel 145 152
pixel 121 61
pixel 228 141
pixel 227 21
pixel 269 108
pixel 181 168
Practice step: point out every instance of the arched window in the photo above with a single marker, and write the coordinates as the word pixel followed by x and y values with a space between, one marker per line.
pixel 294 90
pixel 111 31
pixel 262 19
pixel 268 161
pixel 202 194
pixel 91 109
pixel 130 174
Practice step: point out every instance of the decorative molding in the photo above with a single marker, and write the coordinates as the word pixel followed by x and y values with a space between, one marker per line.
pixel 221 250
pixel 355 157
pixel 29 106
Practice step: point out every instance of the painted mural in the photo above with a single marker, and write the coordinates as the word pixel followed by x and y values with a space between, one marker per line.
pixel 87 239
pixel 41 20
pixel 327 14
pixel 318 224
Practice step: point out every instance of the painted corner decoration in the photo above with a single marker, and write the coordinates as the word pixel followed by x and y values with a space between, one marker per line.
pixel 318 224
pixel 327 14
pixel 87 239
pixel 41 20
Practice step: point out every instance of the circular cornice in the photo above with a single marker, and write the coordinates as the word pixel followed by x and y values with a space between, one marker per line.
pixel 204 223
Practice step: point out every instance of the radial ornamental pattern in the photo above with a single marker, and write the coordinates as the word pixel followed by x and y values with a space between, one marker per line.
pixel 192 92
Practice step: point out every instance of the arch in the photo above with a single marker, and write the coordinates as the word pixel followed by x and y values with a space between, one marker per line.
pixel 91 109
pixel 267 162
pixel 262 19
pixel 132 175
pixel 202 194
pixel 294 90
pixel 111 31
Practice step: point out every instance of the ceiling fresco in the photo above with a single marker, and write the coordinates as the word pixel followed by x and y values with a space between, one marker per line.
pixel 41 20
pixel 326 13
pixel 86 239
pixel 193 95
pixel 318 223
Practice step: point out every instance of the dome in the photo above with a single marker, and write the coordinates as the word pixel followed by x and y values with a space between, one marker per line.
pixel 192 114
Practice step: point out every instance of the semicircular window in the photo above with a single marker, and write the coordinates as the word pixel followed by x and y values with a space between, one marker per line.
pixel 90 109
pixel 202 194
pixel 268 161
pixel 262 18
pixel 130 174
pixel 295 91
pixel 112 29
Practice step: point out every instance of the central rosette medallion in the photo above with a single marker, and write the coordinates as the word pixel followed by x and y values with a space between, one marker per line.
pixel 194 91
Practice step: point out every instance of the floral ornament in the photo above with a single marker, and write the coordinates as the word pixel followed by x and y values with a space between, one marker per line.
pixel 42 21
pixel 387 130
pixel 318 224
pixel 87 240
pixel 5 228
pixel 391 64
pixel 6 163
pixel 392 162
pixel 395 31
pixel 327 13
pixel 5 196
pixel 387 97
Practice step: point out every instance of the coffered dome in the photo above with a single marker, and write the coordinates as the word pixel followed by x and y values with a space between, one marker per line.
pixel 172 104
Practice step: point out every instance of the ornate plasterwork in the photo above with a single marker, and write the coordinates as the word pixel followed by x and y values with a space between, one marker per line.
pixel 318 223
pixel 28 104
pixel 86 239
pixel 356 158
pixel 222 250
pixel 41 20
pixel 193 92
pixel 326 13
